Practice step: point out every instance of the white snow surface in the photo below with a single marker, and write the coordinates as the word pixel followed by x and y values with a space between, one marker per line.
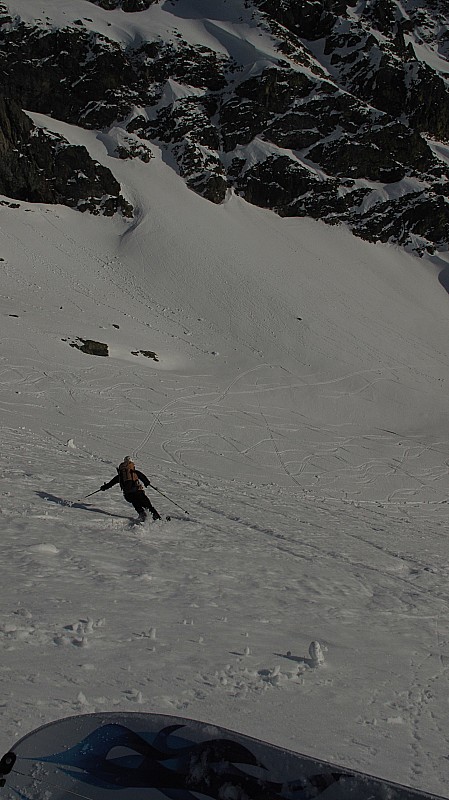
pixel 298 412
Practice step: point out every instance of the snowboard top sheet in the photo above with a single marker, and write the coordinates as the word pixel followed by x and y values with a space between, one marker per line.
pixel 145 756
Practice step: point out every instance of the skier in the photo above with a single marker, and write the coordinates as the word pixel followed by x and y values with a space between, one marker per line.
pixel 128 477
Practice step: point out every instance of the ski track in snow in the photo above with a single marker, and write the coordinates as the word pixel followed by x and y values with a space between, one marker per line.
pixel 298 412
pixel 189 627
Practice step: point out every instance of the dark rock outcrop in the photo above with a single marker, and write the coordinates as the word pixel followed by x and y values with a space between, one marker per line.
pixel 90 347
pixel 341 126
pixel 125 5
pixel 37 166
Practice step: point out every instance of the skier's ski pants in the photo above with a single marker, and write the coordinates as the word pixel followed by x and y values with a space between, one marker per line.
pixel 140 502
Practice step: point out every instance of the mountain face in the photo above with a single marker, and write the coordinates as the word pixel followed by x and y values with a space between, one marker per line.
pixel 334 110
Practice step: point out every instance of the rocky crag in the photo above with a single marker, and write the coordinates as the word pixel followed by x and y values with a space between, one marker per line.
pixel 346 121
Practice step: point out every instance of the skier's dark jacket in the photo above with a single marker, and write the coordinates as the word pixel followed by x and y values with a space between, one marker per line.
pixel 128 487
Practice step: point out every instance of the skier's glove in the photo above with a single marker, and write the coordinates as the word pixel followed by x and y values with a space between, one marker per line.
pixel 103 488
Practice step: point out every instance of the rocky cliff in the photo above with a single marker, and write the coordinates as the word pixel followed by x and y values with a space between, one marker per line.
pixel 344 120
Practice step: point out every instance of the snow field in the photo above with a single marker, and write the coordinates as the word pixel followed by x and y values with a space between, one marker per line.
pixel 298 412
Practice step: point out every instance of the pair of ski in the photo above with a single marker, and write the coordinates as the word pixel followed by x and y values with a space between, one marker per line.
pixel 142 521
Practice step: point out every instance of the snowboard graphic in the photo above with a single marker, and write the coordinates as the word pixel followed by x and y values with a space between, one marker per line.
pixel 153 757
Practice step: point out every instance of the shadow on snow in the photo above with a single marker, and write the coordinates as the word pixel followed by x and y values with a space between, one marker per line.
pixel 60 501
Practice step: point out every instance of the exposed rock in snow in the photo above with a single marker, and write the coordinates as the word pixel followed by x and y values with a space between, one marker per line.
pixel 340 95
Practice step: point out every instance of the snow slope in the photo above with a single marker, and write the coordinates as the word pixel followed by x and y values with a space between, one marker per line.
pixel 297 411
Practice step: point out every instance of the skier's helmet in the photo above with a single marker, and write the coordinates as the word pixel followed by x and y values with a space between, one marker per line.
pixel 127 460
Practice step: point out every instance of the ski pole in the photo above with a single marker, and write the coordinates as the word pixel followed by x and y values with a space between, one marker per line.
pixel 168 498
pixel 90 495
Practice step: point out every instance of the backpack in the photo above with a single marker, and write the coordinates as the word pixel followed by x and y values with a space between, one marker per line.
pixel 129 482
